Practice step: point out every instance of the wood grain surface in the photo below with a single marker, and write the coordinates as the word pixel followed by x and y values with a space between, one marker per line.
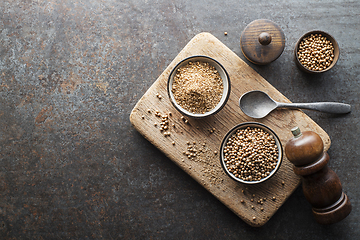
pixel 255 204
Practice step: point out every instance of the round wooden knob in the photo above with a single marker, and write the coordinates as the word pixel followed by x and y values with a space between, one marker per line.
pixel 262 41
pixel 304 148
pixel 264 38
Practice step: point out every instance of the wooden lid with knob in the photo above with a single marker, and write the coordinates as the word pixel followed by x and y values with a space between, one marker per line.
pixel 262 41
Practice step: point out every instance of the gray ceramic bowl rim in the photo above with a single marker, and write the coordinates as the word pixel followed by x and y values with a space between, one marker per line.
pixel 245 125
pixel 333 41
pixel 226 92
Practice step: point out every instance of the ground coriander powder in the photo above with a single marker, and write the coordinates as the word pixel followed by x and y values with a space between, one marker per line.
pixel 197 87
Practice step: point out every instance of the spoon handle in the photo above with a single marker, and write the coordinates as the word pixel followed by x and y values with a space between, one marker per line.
pixel 327 107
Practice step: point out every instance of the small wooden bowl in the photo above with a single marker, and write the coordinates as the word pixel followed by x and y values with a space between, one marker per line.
pixel 330 38
pixel 223 74
pixel 244 126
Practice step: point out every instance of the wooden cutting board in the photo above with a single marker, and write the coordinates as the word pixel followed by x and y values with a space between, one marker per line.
pixel 254 204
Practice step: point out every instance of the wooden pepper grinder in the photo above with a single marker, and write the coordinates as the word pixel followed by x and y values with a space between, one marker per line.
pixel 321 186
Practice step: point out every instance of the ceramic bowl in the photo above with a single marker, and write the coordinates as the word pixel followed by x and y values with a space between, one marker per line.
pixel 223 74
pixel 330 38
pixel 244 126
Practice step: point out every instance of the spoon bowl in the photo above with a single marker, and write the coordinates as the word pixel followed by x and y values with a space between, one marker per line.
pixel 258 104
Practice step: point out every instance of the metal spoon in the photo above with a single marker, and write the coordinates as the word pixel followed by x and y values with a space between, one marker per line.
pixel 257 104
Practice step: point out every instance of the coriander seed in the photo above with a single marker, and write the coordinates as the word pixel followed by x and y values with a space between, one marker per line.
pixel 250 154
pixel 316 52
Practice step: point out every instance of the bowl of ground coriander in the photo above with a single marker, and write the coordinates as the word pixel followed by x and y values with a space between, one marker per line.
pixel 316 52
pixel 251 153
pixel 198 86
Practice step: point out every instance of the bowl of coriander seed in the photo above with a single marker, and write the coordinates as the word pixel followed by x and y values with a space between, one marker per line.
pixel 251 153
pixel 316 52
pixel 198 86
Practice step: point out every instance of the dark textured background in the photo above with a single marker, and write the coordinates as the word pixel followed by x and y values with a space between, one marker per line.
pixel 73 167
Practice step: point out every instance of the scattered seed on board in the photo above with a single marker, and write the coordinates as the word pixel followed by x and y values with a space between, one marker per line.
pixel 158 95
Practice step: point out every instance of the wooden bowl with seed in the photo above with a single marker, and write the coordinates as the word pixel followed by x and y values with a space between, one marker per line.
pixel 316 52
pixel 198 86
pixel 251 153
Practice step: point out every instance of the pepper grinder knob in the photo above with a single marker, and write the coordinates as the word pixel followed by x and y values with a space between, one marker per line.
pixel 321 186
